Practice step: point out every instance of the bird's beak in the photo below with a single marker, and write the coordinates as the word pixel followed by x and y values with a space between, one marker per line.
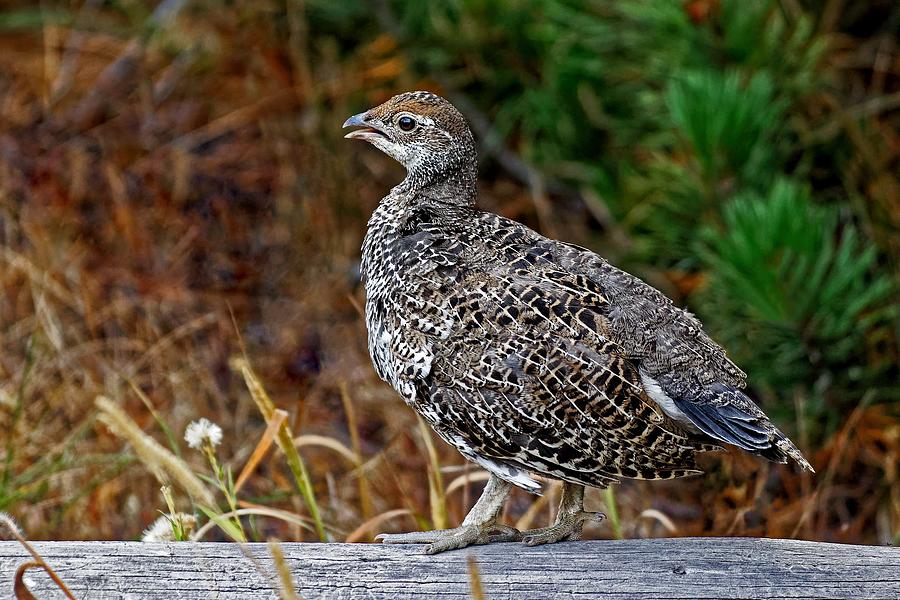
pixel 368 132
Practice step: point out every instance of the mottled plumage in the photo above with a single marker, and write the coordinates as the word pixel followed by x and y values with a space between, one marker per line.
pixel 530 355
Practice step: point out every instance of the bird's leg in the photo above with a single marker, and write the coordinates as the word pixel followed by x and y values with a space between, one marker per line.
pixel 569 519
pixel 479 527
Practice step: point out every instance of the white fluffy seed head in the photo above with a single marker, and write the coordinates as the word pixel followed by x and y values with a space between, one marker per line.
pixel 202 432
pixel 162 529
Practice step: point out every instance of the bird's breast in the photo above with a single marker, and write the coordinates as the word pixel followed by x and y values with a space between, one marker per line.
pixel 408 265
pixel 402 338
pixel 405 317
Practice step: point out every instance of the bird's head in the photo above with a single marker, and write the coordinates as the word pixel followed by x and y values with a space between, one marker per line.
pixel 424 133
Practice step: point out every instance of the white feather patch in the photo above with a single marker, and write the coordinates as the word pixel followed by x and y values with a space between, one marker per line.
pixel 510 474
pixel 656 393
pixel 505 472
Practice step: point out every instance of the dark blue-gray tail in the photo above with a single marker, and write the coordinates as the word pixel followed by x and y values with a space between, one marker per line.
pixel 728 415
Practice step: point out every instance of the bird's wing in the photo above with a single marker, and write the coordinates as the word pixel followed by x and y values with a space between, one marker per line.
pixel 528 379
pixel 641 320
pixel 549 405
pixel 682 369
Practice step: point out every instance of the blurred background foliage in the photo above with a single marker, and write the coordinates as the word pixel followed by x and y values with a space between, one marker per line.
pixel 174 190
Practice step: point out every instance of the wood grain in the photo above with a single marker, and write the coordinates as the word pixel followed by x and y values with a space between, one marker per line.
pixel 660 568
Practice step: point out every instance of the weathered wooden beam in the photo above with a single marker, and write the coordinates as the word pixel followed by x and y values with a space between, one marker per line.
pixel 660 568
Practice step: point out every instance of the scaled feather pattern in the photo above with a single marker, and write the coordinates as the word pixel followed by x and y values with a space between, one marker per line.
pixel 527 354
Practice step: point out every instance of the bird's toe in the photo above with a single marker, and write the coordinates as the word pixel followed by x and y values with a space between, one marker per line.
pixel 414 537
pixel 473 535
pixel 567 528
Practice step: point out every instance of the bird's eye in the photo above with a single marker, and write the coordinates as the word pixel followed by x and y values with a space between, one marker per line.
pixel 406 123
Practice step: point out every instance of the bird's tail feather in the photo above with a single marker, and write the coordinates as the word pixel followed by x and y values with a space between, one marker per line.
pixel 726 414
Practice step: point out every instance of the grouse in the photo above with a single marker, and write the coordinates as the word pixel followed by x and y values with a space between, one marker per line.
pixel 529 355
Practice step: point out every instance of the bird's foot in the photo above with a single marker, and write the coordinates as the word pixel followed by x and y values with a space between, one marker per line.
pixel 441 540
pixel 567 527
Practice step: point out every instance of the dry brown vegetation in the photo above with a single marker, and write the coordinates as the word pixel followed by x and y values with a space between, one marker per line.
pixel 176 196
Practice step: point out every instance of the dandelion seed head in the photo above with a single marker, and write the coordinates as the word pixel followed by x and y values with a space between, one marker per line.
pixel 161 530
pixel 201 432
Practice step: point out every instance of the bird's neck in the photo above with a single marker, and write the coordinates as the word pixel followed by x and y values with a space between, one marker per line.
pixel 454 188
pixel 449 199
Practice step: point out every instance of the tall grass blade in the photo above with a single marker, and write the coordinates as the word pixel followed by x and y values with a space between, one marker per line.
pixel 436 495
pixel 285 441
pixel 161 462
pixel 285 580
pixel 612 511
pixel 365 498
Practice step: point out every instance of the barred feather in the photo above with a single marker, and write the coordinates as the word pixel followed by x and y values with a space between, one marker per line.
pixel 527 354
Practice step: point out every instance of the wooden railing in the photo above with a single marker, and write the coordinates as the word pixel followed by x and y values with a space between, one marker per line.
pixel 660 568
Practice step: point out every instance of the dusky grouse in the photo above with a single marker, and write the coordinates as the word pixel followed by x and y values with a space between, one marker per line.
pixel 530 355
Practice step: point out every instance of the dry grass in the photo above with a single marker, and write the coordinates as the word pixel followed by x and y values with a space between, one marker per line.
pixel 8 528
pixel 158 198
